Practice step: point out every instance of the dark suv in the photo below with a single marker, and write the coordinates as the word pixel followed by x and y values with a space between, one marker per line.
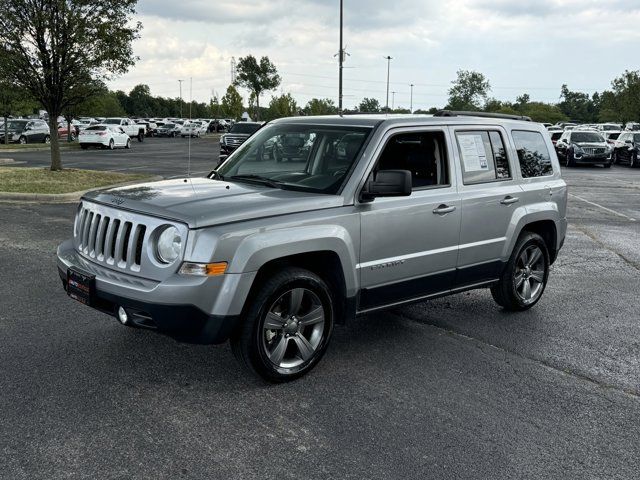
pixel 626 149
pixel 27 131
pixel 585 147
pixel 238 134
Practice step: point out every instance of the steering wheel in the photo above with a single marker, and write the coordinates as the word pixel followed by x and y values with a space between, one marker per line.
pixel 339 173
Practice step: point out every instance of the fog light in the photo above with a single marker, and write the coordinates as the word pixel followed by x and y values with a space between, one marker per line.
pixel 123 316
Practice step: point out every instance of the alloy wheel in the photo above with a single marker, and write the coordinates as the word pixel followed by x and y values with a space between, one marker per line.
pixel 293 328
pixel 529 274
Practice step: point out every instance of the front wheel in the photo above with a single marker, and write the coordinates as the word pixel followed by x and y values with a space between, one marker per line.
pixel 525 276
pixel 287 326
pixel 128 144
pixel 571 162
pixel 112 145
pixel 633 163
pixel 141 136
pixel 47 139
pixel 22 140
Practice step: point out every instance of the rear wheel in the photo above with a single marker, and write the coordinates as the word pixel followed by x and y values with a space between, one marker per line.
pixel 141 136
pixel 286 327
pixel 47 139
pixel 633 162
pixel 614 157
pixel 571 162
pixel 525 276
pixel 112 145
pixel 22 140
pixel 128 144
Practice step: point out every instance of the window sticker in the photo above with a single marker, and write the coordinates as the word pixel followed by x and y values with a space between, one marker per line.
pixel 473 153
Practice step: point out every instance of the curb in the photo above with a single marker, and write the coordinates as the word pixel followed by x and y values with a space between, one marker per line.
pixel 63 197
pixel 27 150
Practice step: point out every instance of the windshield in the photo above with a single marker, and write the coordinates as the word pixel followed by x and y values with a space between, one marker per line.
pixel 249 128
pixel 96 127
pixel 168 125
pixel 112 121
pixel 586 137
pixel 610 128
pixel 613 136
pixel 315 158
pixel 16 125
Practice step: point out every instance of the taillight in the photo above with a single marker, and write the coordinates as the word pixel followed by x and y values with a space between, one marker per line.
pixel 102 134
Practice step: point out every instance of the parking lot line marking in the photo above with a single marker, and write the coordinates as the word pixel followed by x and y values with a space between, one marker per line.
pixel 603 208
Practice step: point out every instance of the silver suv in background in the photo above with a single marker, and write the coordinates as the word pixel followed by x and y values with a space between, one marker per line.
pixel 382 211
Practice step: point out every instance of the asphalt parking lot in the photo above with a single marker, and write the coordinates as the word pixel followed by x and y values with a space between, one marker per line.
pixel 453 388
pixel 168 157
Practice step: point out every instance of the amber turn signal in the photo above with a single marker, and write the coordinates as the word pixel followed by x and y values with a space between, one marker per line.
pixel 203 269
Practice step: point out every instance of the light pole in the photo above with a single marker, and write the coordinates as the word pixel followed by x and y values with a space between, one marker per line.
pixel 393 100
pixel 180 82
pixel 388 58
pixel 411 103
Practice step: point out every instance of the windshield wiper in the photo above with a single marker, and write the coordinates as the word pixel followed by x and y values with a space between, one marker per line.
pixel 258 179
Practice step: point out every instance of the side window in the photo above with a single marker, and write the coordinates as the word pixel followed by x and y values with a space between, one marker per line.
pixel 483 156
pixel 424 154
pixel 533 154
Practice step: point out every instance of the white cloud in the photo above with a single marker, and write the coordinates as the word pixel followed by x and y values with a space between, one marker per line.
pixel 531 46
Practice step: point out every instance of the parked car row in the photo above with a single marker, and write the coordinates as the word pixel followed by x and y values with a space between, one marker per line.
pixel 588 146
pixel 26 131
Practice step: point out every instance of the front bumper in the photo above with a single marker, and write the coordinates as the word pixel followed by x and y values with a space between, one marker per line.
pixel 593 159
pixel 191 309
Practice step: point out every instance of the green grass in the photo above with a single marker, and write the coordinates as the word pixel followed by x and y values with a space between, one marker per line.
pixel 43 180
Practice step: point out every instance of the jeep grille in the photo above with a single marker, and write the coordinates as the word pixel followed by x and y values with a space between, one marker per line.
pixel 110 240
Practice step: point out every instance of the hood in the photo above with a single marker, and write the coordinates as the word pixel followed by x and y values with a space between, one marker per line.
pixel 201 202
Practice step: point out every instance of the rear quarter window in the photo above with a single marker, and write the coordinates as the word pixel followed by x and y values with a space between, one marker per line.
pixel 533 154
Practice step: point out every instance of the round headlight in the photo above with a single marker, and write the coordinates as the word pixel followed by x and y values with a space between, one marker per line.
pixel 169 245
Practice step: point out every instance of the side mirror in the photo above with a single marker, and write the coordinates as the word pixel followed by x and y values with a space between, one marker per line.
pixel 387 183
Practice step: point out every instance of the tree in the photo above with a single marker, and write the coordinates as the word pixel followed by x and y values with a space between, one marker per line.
pixel 282 106
pixel 369 105
pixel 469 91
pixel 320 106
pixel 141 103
pixel 626 89
pixel 257 77
pixel 577 106
pixel 57 49
pixel 232 103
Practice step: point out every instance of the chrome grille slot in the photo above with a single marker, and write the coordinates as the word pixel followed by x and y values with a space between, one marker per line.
pixel 114 241
pixel 101 237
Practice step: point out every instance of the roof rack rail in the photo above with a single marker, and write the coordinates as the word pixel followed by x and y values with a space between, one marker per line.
pixel 452 113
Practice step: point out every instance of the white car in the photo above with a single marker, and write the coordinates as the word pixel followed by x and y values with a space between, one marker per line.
pixel 104 136
pixel 191 129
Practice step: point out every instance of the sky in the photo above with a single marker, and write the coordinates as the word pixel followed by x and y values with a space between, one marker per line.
pixel 521 46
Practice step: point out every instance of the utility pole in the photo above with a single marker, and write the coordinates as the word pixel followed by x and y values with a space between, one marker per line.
pixel 411 103
pixel 393 100
pixel 180 82
pixel 388 58
pixel 340 62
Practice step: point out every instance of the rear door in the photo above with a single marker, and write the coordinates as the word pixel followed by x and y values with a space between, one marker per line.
pixel 490 193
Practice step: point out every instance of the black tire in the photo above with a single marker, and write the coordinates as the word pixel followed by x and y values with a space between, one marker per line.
pixel 128 144
pixel 614 157
pixel 607 165
pixel 141 136
pixel 84 147
pixel 22 140
pixel 47 139
pixel 505 293
pixel 570 160
pixel 633 160
pixel 112 144
pixel 249 343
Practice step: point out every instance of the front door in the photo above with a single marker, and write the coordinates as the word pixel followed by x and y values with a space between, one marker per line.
pixel 409 245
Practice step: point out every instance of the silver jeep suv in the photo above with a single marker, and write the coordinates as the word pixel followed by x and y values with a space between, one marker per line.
pixel 371 213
